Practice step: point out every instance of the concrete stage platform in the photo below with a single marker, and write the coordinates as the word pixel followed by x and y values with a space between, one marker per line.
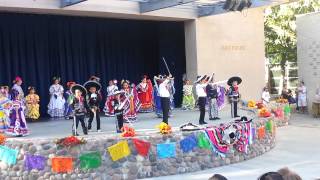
pixel 147 122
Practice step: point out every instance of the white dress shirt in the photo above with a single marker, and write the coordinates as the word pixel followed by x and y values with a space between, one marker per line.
pixel 200 90
pixel 163 89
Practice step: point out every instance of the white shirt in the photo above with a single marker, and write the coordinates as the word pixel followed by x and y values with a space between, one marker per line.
pixel 302 92
pixel 200 90
pixel 163 89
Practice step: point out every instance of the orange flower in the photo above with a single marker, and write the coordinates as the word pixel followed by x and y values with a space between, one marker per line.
pixel 127 131
pixel 3 139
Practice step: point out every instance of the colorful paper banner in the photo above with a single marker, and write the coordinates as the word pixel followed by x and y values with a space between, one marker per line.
pixel 188 143
pixel 90 160
pixel 287 110
pixel 253 131
pixel 119 150
pixel 62 164
pixel 203 141
pixel 141 146
pixel 34 162
pixel 166 150
pixel 8 155
pixel 261 132
pixel 269 126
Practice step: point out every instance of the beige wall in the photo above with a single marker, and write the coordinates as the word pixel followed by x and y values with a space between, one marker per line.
pixel 232 44
pixel 308 44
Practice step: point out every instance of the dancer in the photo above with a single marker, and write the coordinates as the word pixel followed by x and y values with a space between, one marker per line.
pixel 188 101
pixel 157 98
pixel 78 105
pixel 202 97
pixel 144 90
pixel 68 96
pixel 302 97
pixel 57 101
pixel 164 94
pixel 212 93
pixel 132 105
pixel 5 91
pixel 234 95
pixel 93 100
pixel 108 108
pixel 5 105
pixel 17 86
pixel 18 125
pixel 32 103
pixel 118 103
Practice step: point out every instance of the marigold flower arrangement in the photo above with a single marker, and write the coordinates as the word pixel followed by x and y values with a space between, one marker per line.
pixel 260 105
pixel 281 100
pixel 127 131
pixel 3 139
pixel 164 128
pixel 263 112
pixel 70 141
pixel 251 104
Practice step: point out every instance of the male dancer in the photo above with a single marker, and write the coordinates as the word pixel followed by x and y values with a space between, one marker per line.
pixel 165 95
pixel 202 96
pixel 78 105
pixel 93 100
pixel 234 95
pixel 212 94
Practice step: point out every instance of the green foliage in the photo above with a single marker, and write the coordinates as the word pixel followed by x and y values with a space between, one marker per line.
pixel 280 30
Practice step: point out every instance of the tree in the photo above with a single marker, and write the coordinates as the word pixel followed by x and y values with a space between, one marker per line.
pixel 280 31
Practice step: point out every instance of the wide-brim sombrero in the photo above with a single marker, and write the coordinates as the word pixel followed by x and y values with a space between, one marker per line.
pixel 234 78
pixel 118 92
pixel 78 87
pixel 189 127
pixel 90 84
pixel 200 78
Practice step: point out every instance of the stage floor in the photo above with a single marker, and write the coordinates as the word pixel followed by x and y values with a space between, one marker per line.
pixel 147 122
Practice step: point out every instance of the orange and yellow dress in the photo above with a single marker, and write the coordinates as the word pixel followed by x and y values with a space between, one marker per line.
pixel 32 103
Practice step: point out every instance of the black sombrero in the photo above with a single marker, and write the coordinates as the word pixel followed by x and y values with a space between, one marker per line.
pixel 234 78
pixel 200 78
pixel 79 87
pixel 90 84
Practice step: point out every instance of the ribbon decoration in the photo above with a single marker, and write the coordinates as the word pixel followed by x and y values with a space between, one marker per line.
pixel 90 160
pixel 119 150
pixel 34 162
pixel 8 155
pixel 166 150
pixel 188 143
pixel 141 146
pixel 62 164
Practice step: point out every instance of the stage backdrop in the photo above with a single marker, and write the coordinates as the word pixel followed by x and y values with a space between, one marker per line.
pixel 38 47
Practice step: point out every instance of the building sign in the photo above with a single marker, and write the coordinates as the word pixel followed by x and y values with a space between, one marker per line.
pixel 233 47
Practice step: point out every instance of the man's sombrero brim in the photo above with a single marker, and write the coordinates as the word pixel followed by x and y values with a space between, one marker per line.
pixel 118 92
pixel 90 84
pixel 200 78
pixel 232 79
pixel 79 87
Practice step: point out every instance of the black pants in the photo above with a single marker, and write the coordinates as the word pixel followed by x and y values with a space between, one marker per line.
pixel 83 124
pixel 165 105
pixel 119 123
pixel 202 108
pixel 234 109
pixel 91 114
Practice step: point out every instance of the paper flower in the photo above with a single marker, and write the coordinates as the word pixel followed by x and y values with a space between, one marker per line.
pixel 263 112
pixel 260 105
pixel 164 128
pixel 251 104
pixel 3 139
pixel 127 131
pixel 70 141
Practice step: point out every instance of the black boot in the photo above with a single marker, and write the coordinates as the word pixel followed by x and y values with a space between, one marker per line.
pixel 85 131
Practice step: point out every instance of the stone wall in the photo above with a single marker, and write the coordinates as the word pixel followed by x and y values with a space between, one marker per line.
pixel 133 166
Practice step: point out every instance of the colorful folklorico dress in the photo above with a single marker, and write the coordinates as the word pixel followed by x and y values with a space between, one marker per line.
pixel 188 101
pixel 145 96
pixel 32 103
pixel 68 112
pixel 5 105
pixel 132 104
pixel 18 124
pixel 108 108
pixel 57 101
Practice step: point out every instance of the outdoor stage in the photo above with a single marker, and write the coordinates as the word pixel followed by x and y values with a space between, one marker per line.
pixel 147 122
